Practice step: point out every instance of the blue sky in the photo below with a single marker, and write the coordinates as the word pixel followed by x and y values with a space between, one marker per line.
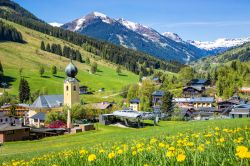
pixel 191 19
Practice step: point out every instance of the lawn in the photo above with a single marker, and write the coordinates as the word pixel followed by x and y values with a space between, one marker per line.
pixel 29 57
pixel 108 135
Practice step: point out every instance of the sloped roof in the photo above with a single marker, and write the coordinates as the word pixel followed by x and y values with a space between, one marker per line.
pixel 48 101
pixel 198 81
pixel 39 115
pixel 101 106
pixel 136 100
pixel 158 93
pixel 7 127
pixel 194 99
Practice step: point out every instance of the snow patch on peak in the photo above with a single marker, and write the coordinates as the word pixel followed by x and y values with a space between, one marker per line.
pixel 129 24
pixel 172 36
pixel 55 24
pixel 98 14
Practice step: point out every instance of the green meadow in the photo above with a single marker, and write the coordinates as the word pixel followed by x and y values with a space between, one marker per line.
pixel 108 135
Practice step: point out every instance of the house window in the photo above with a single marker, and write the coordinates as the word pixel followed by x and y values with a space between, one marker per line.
pixel 67 88
pixel 10 132
pixel 240 115
pixel 74 88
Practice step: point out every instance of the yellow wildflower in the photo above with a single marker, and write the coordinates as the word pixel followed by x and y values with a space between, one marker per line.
pixel 171 148
pixel 201 148
pixel 134 153
pixel 221 140
pixel 119 151
pixel 161 145
pixel 111 155
pixel 83 152
pixel 217 128
pixel 92 157
pixel 242 152
pixel 101 151
pixel 181 157
pixel 170 154
pixel 153 140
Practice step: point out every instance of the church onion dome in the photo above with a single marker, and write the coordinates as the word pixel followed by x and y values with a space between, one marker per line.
pixel 71 70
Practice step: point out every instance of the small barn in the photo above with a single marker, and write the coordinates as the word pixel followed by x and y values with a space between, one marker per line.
pixel 13 133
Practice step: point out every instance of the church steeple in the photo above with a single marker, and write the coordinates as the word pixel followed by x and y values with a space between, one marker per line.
pixel 71 86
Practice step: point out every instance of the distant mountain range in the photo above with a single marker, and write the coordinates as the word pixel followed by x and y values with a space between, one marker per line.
pixel 220 45
pixel 167 46
pixel 122 32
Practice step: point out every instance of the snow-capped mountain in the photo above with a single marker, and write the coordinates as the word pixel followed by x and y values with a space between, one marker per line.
pixel 173 36
pixel 220 45
pixel 136 36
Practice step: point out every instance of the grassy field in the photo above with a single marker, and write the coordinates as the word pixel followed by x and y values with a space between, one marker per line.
pixel 108 136
pixel 29 57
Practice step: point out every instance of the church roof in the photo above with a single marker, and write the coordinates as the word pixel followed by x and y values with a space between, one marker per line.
pixel 48 101
pixel 39 115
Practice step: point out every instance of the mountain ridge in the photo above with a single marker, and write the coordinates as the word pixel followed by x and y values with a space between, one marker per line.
pixel 134 35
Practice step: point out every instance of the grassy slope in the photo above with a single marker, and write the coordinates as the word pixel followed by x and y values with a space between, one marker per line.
pixel 30 57
pixel 106 135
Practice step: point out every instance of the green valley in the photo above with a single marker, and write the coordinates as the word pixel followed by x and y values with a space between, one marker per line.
pixel 29 57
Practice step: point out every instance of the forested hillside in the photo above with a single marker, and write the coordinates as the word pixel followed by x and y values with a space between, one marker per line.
pixel 132 60
pixel 9 33
pixel 241 53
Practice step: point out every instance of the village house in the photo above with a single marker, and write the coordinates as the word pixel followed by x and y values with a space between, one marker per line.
pixel 13 133
pixel 134 104
pixel 83 89
pixel 199 82
pixel 198 103
pixel 20 109
pixel 102 105
pixel 157 97
pixel 240 111
pixel 193 91
pixel 37 120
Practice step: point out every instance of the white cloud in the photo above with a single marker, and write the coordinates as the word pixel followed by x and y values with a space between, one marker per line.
pixel 55 24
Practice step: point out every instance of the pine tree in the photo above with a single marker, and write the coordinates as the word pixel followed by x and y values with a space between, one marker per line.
pixel 48 47
pixel 43 46
pixel 54 70
pixel 118 70
pixel 87 60
pixel 93 68
pixel 140 77
pixel 41 71
pixel 24 91
pixel 167 102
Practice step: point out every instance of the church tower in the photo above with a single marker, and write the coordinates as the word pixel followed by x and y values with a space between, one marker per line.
pixel 71 86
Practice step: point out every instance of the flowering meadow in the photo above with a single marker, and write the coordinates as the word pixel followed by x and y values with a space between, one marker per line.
pixel 212 146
